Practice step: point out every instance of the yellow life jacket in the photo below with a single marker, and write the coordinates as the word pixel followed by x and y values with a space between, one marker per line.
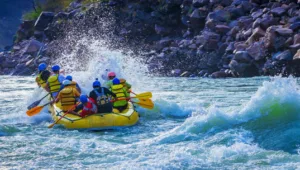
pixel 40 81
pixel 67 96
pixel 120 93
pixel 54 84
pixel 73 84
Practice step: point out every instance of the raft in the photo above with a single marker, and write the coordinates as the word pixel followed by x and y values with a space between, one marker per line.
pixel 99 121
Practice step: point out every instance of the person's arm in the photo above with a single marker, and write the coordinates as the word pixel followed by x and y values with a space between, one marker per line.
pixel 128 85
pixel 78 88
pixel 106 91
pixel 47 87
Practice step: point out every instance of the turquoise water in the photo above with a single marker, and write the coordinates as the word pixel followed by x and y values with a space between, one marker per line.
pixel 197 123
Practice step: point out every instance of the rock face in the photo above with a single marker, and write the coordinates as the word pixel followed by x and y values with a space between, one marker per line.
pixel 209 38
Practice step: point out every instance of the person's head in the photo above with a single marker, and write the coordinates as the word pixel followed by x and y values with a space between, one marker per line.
pixel 83 99
pixel 42 67
pixel 116 81
pixel 66 82
pixel 69 77
pixel 55 68
pixel 96 84
pixel 111 75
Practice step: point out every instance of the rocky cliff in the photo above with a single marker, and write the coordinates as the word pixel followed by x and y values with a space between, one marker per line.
pixel 217 38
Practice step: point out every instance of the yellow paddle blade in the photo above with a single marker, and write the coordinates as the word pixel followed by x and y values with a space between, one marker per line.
pixel 146 103
pixel 34 111
pixel 145 95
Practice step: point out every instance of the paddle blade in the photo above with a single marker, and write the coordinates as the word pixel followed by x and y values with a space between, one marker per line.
pixel 146 103
pixel 34 111
pixel 34 104
pixel 145 95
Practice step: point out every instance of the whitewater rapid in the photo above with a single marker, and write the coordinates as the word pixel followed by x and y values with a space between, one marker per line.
pixel 196 124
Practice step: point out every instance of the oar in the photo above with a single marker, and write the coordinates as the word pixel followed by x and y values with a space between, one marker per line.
pixel 36 110
pixel 145 95
pixel 50 126
pixel 145 103
pixel 34 104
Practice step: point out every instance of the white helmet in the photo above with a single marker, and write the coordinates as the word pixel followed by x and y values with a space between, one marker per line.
pixel 66 82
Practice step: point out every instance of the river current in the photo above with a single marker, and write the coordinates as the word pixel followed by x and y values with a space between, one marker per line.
pixel 197 123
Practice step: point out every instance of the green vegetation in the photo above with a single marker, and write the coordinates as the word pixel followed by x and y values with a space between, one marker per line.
pixel 32 15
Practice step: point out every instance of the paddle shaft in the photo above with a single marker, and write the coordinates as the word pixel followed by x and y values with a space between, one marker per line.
pixel 62 116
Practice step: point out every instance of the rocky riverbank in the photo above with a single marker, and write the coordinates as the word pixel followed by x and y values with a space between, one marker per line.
pixel 216 38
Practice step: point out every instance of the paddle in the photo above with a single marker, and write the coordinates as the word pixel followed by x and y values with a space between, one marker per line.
pixel 50 126
pixel 34 104
pixel 36 110
pixel 145 103
pixel 145 95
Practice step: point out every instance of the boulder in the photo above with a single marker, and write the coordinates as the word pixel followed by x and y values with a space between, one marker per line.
pixel 219 15
pixel 297 38
pixel 222 29
pixel 257 51
pixel 268 21
pixel 297 55
pixel 197 19
pixel 284 31
pixel 219 74
pixel 32 47
pixel 283 56
pixel 209 40
pixel 43 20
pixel 245 22
pixel 22 70
pixel 200 3
pixel 295 26
pixel 278 12
pixel 257 14
pixel 242 57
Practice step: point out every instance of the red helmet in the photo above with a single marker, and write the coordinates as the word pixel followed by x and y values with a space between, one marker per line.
pixel 111 74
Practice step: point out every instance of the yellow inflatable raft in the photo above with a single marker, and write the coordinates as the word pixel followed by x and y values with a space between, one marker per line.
pixel 128 117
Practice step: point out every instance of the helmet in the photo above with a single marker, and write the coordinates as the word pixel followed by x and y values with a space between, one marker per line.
pixel 96 83
pixel 55 68
pixel 116 81
pixel 66 82
pixel 42 67
pixel 111 74
pixel 83 98
pixel 69 77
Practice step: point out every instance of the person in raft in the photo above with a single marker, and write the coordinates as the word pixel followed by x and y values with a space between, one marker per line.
pixel 121 102
pixel 74 84
pixel 102 97
pixel 67 96
pixel 87 107
pixel 42 77
pixel 54 82
pixel 109 83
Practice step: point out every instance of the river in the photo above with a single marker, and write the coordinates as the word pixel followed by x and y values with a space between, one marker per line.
pixel 246 123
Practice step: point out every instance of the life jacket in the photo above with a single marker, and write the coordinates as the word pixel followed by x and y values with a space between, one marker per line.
pixel 67 96
pixel 73 84
pixel 102 99
pixel 120 94
pixel 54 84
pixel 123 82
pixel 90 108
pixel 40 81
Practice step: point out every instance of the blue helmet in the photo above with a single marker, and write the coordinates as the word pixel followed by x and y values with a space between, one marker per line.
pixel 55 68
pixel 116 81
pixel 69 77
pixel 83 98
pixel 96 83
pixel 42 67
